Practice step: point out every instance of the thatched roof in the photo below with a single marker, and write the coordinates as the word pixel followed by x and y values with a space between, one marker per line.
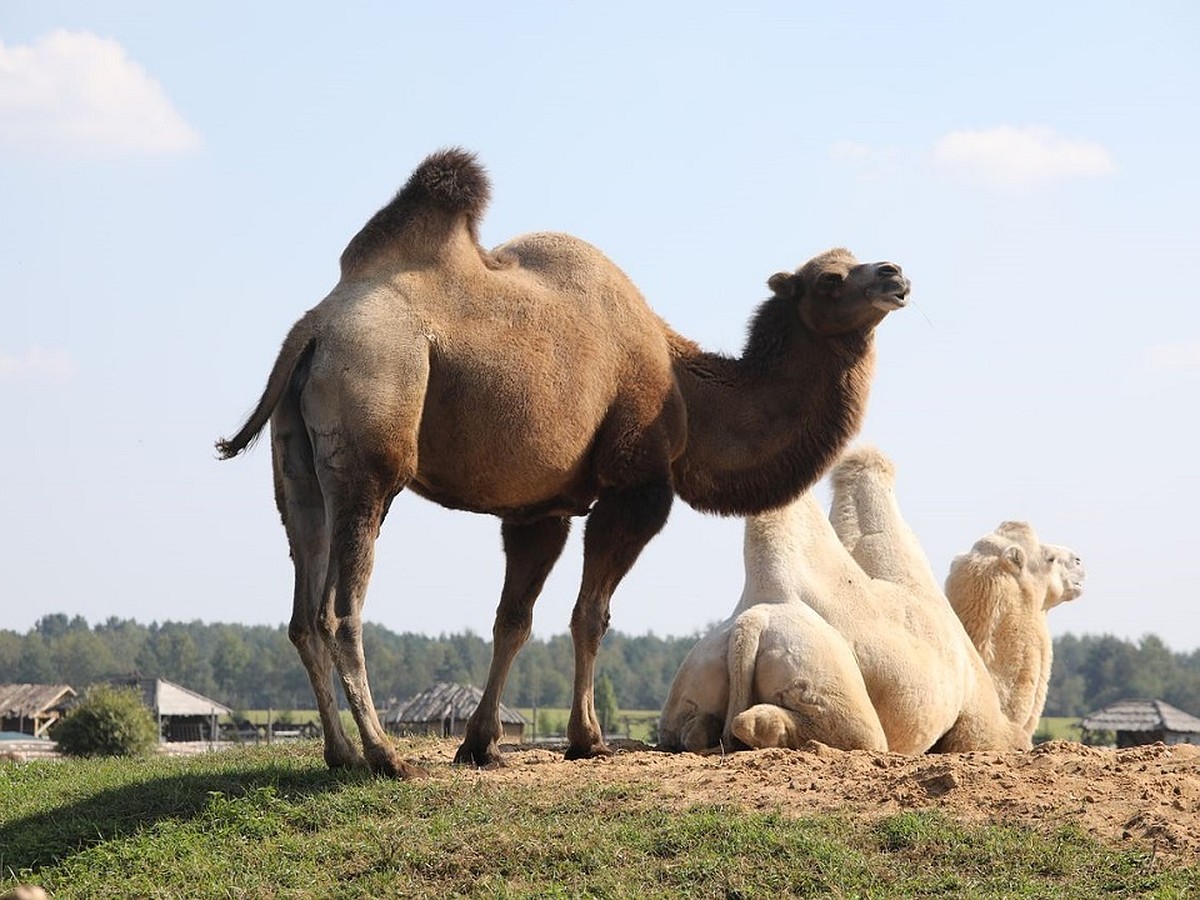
pixel 1141 715
pixel 446 701
pixel 30 700
pixel 166 698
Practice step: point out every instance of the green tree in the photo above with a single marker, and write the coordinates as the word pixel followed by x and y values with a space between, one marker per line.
pixel 108 721
pixel 230 659
pixel 606 703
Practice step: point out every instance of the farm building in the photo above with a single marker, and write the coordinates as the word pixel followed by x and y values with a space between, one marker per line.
pixel 32 708
pixel 444 709
pixel 1138 722
pixel 183 715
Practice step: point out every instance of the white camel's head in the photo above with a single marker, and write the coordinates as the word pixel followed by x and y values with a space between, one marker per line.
pixel 1046 574
pixel 1067 574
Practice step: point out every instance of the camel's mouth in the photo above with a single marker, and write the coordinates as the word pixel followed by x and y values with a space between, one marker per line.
pixel 891 295
pixel 1074 587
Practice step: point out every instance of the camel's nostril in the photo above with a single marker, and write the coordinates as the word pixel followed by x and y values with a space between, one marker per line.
pixel 887 269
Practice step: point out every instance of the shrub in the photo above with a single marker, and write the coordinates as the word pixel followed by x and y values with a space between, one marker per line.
pixel 108 721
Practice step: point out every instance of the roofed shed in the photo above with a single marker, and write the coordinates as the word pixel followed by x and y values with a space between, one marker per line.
pixel 1138 722
pixel 183 715
pixel 33 708
pixel 444 709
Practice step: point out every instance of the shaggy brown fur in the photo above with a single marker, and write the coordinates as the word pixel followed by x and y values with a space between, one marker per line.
pixel 794 398
pixel 430 353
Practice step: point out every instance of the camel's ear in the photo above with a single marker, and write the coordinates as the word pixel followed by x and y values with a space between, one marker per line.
pixel 1014 558
pixel 784 284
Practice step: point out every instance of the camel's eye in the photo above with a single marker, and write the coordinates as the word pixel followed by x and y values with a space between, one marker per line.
pixel 829 280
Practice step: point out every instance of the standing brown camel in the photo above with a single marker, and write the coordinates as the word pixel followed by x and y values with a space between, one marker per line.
pixel 532 382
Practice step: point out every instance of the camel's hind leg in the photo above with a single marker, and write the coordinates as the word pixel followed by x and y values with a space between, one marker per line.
pixel 620 524
pixel 302 507
pixel 356 512
pixel 530 551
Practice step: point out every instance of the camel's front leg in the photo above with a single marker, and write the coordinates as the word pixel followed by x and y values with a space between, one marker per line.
pixel 620 524
pixel 530 552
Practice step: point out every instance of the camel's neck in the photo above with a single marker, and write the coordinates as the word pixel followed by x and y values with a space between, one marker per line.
pixel 764 428
pixel 790 554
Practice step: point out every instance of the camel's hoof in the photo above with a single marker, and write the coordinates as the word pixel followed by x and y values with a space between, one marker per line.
pixel 392 766
pixel 487 758
pixel 346 761
pixel 592 751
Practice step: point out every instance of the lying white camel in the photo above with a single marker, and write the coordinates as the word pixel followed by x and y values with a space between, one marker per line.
pixel 865 580
pixel 1002 589
pixel 776 647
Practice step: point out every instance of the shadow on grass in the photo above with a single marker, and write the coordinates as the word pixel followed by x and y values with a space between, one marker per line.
pixel 47 838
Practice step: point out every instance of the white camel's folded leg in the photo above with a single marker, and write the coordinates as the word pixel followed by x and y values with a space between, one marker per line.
pixel 809 685
pixel 766 725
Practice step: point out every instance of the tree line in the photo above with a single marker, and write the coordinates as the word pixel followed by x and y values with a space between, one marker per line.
pixel 256 667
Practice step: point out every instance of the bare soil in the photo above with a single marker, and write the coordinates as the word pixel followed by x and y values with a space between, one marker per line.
pixel 1148 797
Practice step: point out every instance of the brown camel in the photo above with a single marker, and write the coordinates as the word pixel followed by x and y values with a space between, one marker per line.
pixel 532 382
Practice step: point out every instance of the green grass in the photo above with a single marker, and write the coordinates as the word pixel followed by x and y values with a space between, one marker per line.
pixel 638 724
pixel 274 822
pixel 1058 728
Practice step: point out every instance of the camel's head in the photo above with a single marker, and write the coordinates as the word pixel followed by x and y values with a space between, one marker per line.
pixel 836 294
pixel 1045 575
pixel 1067 574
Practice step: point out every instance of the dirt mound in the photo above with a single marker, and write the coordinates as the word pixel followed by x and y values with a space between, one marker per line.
pixel 1145 796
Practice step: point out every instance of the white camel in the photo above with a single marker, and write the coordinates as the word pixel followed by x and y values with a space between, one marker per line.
pixel 777 648
pixel 1001 590
pixel 865 580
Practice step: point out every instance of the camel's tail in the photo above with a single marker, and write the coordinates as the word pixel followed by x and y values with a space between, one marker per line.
pixel 297 349
pixel 447 184
pixel 741 660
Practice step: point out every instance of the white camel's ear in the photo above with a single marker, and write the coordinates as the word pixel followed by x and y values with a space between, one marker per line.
pixel 784 284
pixel 1014 558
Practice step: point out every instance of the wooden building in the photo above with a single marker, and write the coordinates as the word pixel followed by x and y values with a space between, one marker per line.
pixel 32 708
pixel 444 709
pixel 183 715
pixel 1137 722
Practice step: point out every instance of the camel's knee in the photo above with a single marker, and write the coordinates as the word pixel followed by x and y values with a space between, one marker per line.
pixel 589 622
pixel 302 632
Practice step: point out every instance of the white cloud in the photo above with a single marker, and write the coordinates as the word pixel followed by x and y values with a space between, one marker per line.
pixel 1020 156
pixel 82 93
pixel 1181 356
pixel 36 364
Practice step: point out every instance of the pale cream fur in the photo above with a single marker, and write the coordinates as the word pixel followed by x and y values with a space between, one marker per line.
pixel 776 651
pixel 1002 590
pixel 816 588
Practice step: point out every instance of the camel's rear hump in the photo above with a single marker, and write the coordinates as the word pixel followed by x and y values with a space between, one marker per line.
pixel 450 189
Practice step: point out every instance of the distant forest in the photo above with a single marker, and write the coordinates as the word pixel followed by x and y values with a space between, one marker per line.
pixel 256 667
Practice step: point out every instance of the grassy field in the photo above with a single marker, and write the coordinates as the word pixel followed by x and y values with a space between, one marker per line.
pixel 274 822
pixel 1052 728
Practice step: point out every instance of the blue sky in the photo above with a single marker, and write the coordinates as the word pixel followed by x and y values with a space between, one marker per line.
pixel 177 182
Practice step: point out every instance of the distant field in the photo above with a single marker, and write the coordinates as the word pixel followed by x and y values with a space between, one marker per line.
pixel 1058 728
pixel 637 724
